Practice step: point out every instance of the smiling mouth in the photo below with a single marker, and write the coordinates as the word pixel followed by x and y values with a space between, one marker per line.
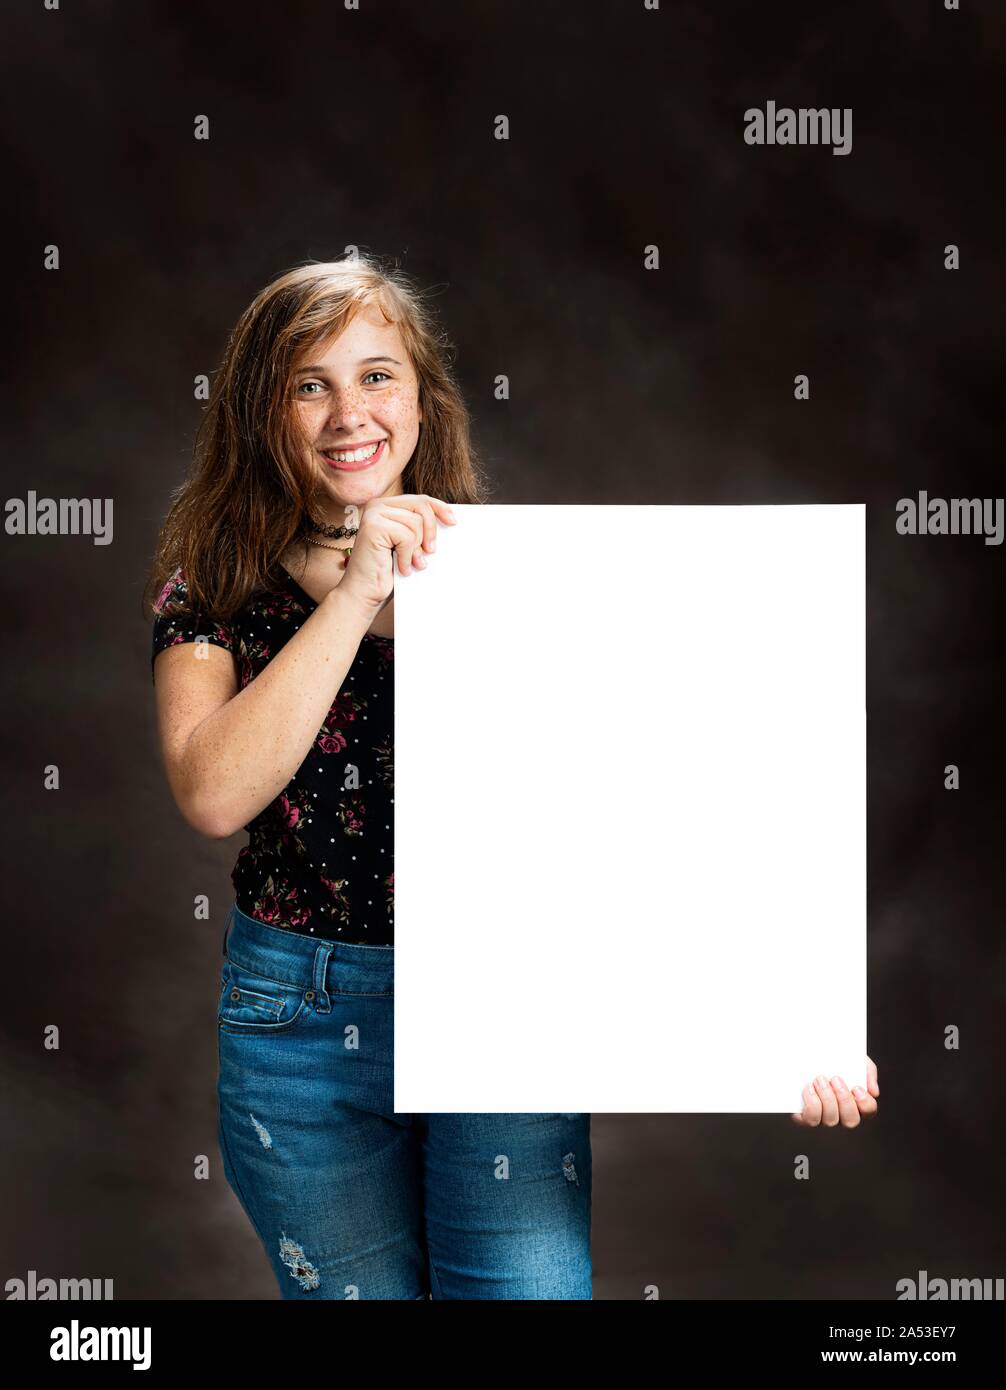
pixel 357 455
pixel 349 460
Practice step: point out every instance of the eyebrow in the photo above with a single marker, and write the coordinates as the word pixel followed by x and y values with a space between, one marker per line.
pixel 362 362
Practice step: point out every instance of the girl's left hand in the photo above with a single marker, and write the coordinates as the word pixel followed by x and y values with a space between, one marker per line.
pixel 829 1103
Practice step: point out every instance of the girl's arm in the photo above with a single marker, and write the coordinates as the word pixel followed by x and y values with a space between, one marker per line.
pixel 228 754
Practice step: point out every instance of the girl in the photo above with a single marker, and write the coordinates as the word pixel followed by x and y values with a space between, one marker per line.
pixel 334 441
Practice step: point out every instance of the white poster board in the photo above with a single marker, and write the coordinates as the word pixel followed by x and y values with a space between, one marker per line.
pixel 630 809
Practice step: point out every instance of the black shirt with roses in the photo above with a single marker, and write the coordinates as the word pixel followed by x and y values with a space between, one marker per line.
pixel 320 857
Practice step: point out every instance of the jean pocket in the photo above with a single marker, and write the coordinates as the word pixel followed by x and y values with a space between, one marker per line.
pixel 252 1003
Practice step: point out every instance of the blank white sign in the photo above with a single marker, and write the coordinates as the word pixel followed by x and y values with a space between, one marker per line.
pixel 630 809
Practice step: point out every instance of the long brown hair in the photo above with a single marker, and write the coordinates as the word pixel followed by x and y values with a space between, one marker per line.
pixel 250 482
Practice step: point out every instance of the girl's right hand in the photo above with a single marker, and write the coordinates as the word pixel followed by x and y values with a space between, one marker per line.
pixel 405 526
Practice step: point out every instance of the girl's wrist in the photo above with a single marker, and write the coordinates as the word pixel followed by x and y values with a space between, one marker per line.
pixel 350 606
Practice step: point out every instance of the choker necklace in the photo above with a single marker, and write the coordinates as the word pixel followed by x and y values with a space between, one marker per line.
pixel 323 529
pixel 334 532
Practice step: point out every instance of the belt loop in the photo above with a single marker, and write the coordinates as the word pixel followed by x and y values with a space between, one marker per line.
pixel 321 1000
pixel 227 928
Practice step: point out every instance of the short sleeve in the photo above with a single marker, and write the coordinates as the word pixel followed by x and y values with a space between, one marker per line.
pixel 175 622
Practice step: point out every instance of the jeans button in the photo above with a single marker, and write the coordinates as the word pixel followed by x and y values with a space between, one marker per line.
pixel 309 995
pixel 235 994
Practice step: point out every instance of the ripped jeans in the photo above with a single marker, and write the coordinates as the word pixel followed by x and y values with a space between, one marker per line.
pixel 351 1200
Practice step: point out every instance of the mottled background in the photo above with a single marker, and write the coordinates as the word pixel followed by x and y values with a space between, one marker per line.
pixel 375 128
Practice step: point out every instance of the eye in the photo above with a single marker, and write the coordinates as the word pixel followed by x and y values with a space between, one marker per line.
pixel 378 372
pixel 304 384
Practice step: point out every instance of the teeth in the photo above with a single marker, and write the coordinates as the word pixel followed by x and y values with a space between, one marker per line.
pixel 353 455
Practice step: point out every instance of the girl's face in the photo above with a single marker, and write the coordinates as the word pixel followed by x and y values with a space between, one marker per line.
pixel 358 400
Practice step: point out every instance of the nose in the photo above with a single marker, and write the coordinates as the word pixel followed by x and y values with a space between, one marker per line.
pixel 347 409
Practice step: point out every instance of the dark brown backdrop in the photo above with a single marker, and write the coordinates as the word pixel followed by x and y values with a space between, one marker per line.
pixel 375 128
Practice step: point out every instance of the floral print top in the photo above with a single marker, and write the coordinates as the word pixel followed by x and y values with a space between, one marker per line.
pixel 320 858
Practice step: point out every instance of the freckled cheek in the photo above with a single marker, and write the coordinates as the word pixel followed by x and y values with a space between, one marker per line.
pixel 400 410
pixel 310 417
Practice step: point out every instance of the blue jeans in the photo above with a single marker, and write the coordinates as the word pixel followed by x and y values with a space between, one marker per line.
pixel 351 1200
